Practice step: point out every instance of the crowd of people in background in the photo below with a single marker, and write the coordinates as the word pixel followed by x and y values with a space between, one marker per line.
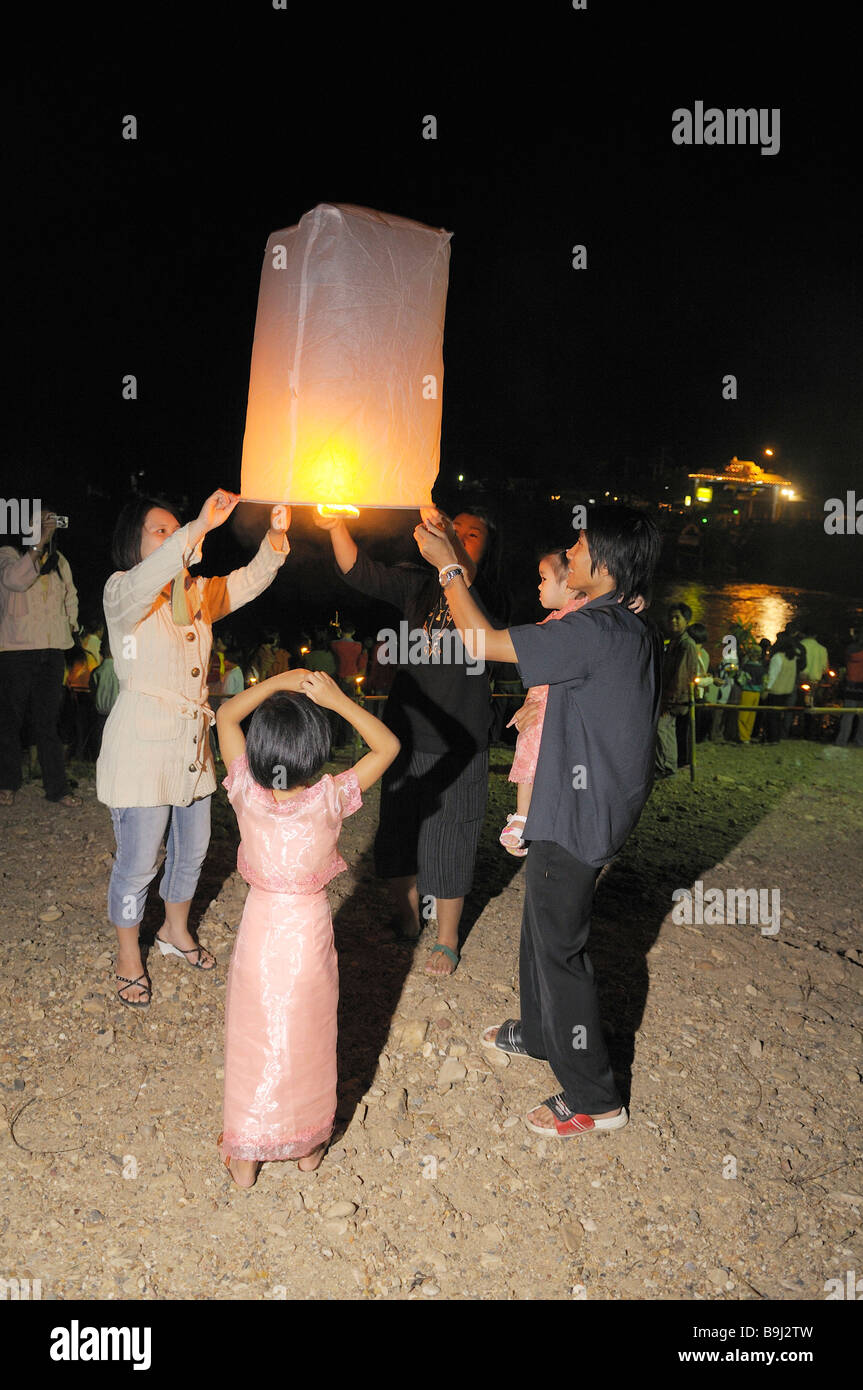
pixel 749 691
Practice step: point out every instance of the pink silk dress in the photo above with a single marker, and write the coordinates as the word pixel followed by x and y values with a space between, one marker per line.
pixel 283 981
pixel 527 745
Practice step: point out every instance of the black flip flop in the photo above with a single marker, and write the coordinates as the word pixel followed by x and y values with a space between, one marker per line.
pixel 508 1039
pixel 135 1003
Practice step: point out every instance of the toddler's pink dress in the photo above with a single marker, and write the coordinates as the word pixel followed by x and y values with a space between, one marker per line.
pixel 527 745
pixel 283 981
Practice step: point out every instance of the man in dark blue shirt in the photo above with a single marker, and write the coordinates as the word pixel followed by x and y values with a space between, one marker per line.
pixel 602 665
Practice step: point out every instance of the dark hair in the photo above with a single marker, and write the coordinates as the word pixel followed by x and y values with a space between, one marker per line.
pixel 288 741
pixel 628 543
pixel 558 558
pixel 126 540
pixel 489 579
pixel 698 633
pixel 681 608
pixel 489 567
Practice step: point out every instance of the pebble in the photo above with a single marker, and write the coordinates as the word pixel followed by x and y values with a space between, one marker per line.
pixel 339 1209
pixel 337 1227
pixel 588 1224
pixel 396 1101
pixel 452 1070
pixel 430 1290
pixel 572 1235
pixel 756 1047
pixel 717 1277
pixel 491 1236
pixel 489 1261
pixel 412 1034
pixel 51 914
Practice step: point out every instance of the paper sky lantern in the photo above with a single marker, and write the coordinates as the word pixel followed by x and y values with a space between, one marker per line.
pixel 347 366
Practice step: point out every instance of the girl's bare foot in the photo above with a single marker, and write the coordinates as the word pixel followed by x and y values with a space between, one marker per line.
pixel 244 1171
pixel 309 1162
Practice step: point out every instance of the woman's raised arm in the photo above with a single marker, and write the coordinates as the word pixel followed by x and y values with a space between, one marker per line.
pixel 129 595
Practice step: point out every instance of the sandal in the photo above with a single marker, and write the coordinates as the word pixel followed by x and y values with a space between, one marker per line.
pixel 226 1159
pixel 450 954
pixel 168 950
pixel 135 1003
pixel 508 1039
pixel 511 836
pixel 567 1123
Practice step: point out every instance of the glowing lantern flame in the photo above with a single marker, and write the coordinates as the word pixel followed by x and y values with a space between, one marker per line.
pixel 335 509
pixel 346 379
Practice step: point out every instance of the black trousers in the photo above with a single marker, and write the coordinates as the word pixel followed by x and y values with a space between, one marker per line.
pixel 559 1005
pixel 31 687
pixel 775 721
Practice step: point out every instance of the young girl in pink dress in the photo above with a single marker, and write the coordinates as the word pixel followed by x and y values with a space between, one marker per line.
pixel 283 984
pixel 553 594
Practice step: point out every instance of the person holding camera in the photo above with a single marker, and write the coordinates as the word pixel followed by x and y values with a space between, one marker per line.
pixel 155 769
pixel 38 617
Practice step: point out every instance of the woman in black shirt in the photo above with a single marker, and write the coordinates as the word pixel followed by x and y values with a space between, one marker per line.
pixel 434 795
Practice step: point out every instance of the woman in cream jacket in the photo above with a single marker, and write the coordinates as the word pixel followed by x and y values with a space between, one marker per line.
pixel 155 769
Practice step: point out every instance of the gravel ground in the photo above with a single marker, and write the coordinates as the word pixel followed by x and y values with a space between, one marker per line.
pixel 738 1177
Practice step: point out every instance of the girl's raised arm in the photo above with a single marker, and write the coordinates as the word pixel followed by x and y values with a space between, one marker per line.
pixel 322 690
pixel 231 713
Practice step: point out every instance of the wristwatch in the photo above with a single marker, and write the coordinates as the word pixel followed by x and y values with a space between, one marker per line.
pixel 448 574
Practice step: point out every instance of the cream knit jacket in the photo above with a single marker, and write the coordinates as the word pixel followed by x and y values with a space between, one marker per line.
pixel 156 745
pixel 37 610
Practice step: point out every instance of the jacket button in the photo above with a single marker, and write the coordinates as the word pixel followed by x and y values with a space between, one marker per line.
pixel 191 767
pixel 190 636
pixel 196 671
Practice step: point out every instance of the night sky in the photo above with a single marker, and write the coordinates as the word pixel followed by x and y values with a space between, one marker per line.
pixel 554 128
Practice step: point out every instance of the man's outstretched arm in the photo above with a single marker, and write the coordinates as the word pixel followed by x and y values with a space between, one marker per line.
pixel 482 641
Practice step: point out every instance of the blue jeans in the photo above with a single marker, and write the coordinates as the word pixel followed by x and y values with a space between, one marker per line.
pixel 139 831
